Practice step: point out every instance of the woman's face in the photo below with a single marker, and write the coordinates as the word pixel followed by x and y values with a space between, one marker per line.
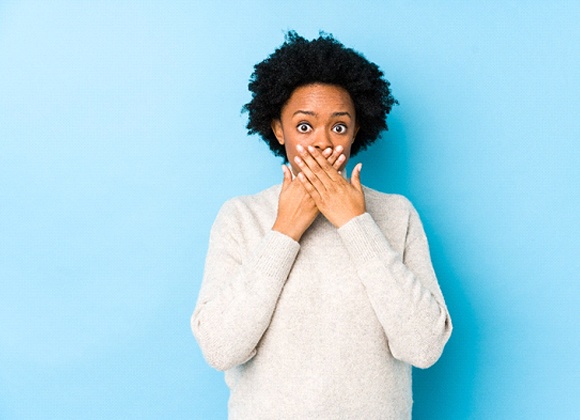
pixel 320 115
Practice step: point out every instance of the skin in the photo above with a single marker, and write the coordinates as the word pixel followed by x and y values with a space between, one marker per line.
pixel 317 127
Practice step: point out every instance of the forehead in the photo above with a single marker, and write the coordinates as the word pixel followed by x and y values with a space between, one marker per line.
pixel 319 98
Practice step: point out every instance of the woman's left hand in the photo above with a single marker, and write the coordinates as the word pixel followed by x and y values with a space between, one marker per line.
pixel 336 198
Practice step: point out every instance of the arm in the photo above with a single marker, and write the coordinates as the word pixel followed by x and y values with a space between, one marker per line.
pixel 239 292
pixel 241 287
pixel 402 289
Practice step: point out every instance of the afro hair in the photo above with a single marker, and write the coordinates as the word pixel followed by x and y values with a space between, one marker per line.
pixel 300 62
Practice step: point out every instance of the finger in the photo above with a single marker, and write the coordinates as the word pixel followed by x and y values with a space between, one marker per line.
pixel 308 159
pixel 336 152
pixel 339 162
pixel 310 189
pixel 309 164
pixel 355 177
pixel 319 158
pixel 328 153
pixel 308 174
pixel 319 166
pixel 287 177
pixel 330 168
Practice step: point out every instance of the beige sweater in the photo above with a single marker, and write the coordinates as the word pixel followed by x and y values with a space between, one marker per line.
pixel 327 328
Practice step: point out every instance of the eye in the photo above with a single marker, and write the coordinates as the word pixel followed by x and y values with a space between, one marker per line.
pixel 339 128
pixel 303 127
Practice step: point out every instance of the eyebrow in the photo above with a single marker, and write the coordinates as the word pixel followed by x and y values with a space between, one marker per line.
pixel 334 114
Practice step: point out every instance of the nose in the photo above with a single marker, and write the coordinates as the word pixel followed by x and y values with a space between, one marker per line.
pixel 322 140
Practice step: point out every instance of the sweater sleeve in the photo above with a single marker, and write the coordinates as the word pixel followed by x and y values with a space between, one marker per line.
pixel 402 289
pixel 239 291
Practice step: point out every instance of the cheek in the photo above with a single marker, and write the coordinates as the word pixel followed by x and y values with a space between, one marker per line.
pixel 290 149
pixel 346 151
pixel 290 154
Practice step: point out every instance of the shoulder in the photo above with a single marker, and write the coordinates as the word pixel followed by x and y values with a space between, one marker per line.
pixel 394 214
pixel 250 210
pixel 379 203
pixel 251 203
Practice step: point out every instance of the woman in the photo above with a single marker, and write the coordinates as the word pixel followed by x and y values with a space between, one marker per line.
pixel 319 294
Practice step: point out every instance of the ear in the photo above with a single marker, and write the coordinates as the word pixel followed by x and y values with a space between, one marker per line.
pixel 355 133
pixel 277 129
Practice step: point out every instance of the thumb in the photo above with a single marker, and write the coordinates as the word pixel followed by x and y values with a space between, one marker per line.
pixel 355 177
pixel 287 177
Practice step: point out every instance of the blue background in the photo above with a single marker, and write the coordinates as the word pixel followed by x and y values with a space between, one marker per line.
pixel 121 134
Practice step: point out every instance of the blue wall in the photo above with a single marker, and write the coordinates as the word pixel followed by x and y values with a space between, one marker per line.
pixel 121 135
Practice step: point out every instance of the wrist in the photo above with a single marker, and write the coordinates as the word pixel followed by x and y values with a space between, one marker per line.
pixel 340 223
pixel 289 231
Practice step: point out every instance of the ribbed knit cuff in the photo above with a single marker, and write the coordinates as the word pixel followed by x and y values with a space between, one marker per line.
pixel 364 240
pixel 274 258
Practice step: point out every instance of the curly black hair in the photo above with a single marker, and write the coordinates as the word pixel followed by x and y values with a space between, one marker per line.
pixel 300 62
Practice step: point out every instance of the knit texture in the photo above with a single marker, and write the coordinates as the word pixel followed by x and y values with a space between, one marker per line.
pixel 327 328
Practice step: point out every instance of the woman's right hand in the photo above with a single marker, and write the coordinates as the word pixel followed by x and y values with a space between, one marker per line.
pixel 296 208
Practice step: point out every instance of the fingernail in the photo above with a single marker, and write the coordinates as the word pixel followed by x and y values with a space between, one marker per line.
pixel 298 160
pixel 310 148
pixel 328 150
pixel 299 148
pixel 339 148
